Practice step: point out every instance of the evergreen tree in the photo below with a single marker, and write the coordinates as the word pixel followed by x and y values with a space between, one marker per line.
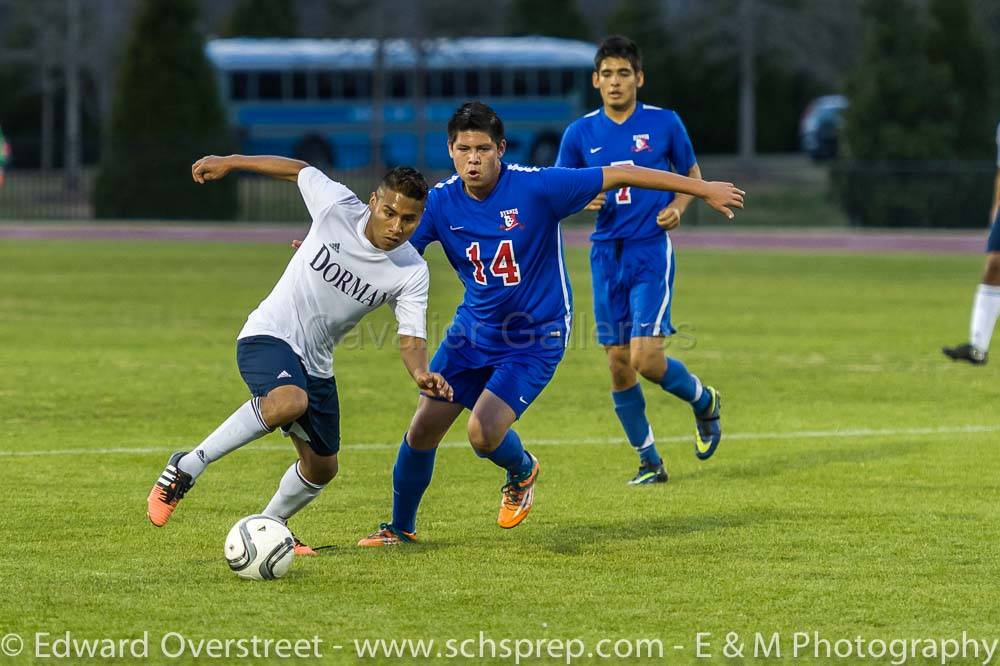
pixel 264 18
pixel 552 18
pixel 901 103
pixel 166 114
pixel 956 44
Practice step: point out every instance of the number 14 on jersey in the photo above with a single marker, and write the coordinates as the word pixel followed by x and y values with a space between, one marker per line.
pixel 503 266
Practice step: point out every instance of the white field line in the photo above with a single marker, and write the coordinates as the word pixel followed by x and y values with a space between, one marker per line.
pixel 854 433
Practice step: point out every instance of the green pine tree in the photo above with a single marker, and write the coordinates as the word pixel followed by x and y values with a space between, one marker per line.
pixel 901 104
pixel 956 44
pixel 264 18
pixel 167 113
pixel 552 18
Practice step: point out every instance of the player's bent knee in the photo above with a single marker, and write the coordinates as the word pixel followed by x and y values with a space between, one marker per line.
pixel 481 436
pixel 320 470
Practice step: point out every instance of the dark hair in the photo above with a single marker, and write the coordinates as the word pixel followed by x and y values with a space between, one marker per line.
pixel 618 46
pixel 407 181
pixel 475 117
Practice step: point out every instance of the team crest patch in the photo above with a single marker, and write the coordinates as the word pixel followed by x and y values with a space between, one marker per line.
pixel 510 220
pixel 640 142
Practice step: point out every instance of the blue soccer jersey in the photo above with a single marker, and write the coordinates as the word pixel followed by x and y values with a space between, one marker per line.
pixel 507 250
pixel 651 137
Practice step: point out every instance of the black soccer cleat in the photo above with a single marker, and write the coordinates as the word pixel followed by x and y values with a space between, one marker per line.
pixel 967 353
pixel 649 474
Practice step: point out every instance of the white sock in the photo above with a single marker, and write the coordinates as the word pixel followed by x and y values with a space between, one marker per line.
pixel 245 425
pixel 294 492
pixel 984 316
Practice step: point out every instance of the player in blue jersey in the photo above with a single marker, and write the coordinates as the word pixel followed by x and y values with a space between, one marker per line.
pixel 499 226
pixel 986 307
pixel 632 258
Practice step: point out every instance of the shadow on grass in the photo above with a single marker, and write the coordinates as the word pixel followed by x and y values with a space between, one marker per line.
pixel 777 465
pixel 586 535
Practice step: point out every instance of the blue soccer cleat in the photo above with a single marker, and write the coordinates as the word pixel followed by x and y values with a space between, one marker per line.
pixel 708 431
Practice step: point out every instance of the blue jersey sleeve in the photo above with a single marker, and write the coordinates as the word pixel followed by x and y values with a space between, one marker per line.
pixel 569 150
pixel 426 232
pixel 569 190
pixel 681 152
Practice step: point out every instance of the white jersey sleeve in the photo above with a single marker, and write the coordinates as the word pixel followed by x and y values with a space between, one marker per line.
pixel 321 194
pixel 410 306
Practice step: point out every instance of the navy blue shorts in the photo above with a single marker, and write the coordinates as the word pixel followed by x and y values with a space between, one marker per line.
pixel 516 376
pixel 633 284
pixel 266 363
pixel 993 243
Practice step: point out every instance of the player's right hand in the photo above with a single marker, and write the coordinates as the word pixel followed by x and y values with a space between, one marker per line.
pixel 598 202
pixel 296 244
pixel 210 167
pixel 435 385
pixel 723 197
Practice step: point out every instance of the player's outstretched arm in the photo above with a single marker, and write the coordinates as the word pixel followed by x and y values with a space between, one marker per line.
pixel 723 197
pixel 214 167
pixel 413 351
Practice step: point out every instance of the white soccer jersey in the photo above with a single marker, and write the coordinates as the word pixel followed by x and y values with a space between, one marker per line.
pixel 337 277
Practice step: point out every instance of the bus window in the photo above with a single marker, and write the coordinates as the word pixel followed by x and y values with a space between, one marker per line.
pixel 495 78
pixel 356 85
pixel 269 85
pixel 239 85
pixel 471 77
pixel 566 81
pixel 545 82
pixel 448 83
pixel 325 85
pixel 520 83
pixel 398 85
pixel 300 86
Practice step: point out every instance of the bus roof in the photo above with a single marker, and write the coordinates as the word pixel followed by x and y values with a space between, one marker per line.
pixel 505 52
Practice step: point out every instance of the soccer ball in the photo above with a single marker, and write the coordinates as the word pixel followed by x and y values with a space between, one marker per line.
pixel 260 548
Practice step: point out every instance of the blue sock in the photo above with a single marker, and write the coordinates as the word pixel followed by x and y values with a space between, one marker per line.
pixel 681 383
pixel 410 477
pixel 630 407
pixel 511 455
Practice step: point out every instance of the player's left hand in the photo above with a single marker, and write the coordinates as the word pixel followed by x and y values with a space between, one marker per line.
pixel 210 167
pixel 723 197
pixel 296 244
pixel 669 218
pixel 435 385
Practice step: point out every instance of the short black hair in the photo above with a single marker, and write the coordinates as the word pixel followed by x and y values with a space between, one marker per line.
pixel 618 46
pixel 475 117
pixel 407 181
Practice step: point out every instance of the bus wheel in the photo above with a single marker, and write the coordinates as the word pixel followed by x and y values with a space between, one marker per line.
pixel 545 150
pixel 315 151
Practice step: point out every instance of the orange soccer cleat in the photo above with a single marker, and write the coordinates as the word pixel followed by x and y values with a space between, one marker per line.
pixel 387 535
pixel 168 490
pixel 518 496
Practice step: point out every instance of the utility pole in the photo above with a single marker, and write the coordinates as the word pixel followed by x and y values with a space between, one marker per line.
pixel 70 54
pixel 748 80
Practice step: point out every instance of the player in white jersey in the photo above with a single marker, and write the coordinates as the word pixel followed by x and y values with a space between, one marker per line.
pixel 355 258
pixel 986 307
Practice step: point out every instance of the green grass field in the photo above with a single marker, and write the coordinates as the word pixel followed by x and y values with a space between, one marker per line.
pixel 856 494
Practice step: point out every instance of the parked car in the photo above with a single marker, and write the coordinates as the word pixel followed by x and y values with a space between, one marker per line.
pixel 819 129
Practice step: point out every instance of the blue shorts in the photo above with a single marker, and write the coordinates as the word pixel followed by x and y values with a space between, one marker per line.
pixel 633 288
pixel 266 363
pixel 993 243
pixel 516 376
